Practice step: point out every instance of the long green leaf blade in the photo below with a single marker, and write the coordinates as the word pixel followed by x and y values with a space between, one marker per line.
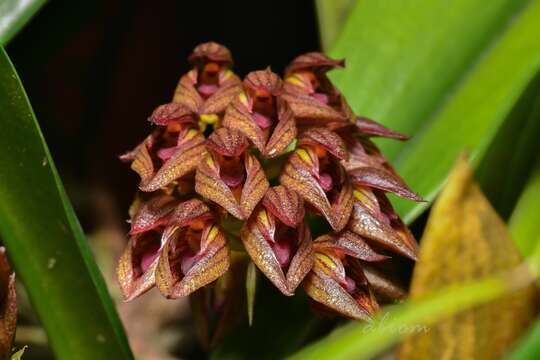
pixel 14 14
pixel 45 241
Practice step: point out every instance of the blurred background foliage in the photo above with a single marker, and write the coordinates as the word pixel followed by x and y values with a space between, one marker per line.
pixel 459 76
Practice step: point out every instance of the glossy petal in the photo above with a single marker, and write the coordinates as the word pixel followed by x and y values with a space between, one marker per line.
pixel 384 180
pixel 325 138
pixel 285 204
pixel 172 112
pixel 213 261
pixel 283 134
pixel 227 142
pixel 190 152
pixel 152 214
pixel 373 128
pixel 365 224
pixel 136 267
pixel 321 286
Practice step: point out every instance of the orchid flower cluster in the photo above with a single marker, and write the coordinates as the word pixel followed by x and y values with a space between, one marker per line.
pixel 246 166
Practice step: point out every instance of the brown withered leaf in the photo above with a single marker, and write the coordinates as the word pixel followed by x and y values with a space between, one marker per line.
pixel 322 287
pixel 365 224
pixel 373 128
pixel 464 240
pixel 329 140
pixel 190 151
pixel 137 264
pixel 213 262
pixel 284 204
pixel 379 178
pixel 152 214
pixel 283 134
pixel 8 306
pixel 218 102
pixel 237 117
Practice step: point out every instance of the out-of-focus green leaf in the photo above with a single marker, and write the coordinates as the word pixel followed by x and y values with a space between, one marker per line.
pixel 459 268
pixel 14 14
pixel 452 87
pixel 251 289
pixel 45 241
pixel 332 15
pixel 18 355
pixel 465 240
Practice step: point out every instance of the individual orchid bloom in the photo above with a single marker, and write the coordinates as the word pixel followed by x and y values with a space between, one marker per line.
pixel 137 265
pixel 374 219
pixel 209 87
pixel 278 240
pixel 160 166
pixel 337 280
pixel 261 115
pixel 313 171
pixel 314 100
pixel 194 251
pixel 229 176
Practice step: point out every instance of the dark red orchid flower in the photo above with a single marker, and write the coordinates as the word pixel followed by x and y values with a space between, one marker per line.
pixel 280 155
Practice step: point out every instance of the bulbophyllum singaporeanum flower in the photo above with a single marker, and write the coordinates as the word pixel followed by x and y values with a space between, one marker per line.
pixel 252 165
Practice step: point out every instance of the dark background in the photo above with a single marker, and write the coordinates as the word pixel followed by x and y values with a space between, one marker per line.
pixel 94 71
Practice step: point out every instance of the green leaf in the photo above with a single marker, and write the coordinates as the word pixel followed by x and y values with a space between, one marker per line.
pixel 251 289
pixel 18 355
pixel 14 14
pixel 451 86
pixel 332 15
pixel 45 241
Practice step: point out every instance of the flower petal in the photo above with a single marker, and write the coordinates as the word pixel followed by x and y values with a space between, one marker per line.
pixel 348 243
pixel 302 262
pixel 213 262
pixel 373 128
pixel 172 112
pixel 384 286
pixel 218 102
pixel 323 288
pixel 142 163
pixel 312 61
pixel 187 96
pixel 309 110
pixel 283 134
pixel 260 251
pixel 152 214
pixel 237 117
pixel 263 80
pixel 342 207
pixel 365 224
pixel 285 204
pixel 210 51
pixel 190 152
pixel 297 176
pixel 136 267
pixel 209 184
pixel 227 142
pixel 329 140
pixel 189 211
pixel 255 186
pixel 383 180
